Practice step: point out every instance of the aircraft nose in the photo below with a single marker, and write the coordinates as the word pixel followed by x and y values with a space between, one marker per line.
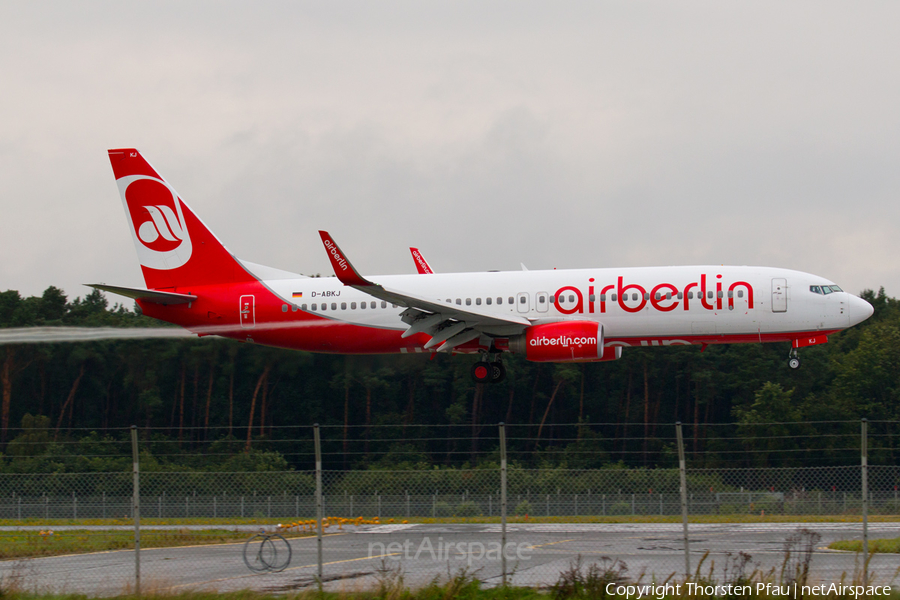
pixel 859 310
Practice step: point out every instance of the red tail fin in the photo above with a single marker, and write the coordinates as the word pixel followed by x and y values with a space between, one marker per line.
pixel 174 247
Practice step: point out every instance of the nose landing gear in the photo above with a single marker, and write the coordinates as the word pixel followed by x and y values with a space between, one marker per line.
pixel 794 359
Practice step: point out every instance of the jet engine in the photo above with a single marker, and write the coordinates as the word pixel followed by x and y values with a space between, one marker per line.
pixel 565 341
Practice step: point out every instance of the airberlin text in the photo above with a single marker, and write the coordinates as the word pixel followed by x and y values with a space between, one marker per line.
pixel 338 260
pixel 563 340
pixel 663 297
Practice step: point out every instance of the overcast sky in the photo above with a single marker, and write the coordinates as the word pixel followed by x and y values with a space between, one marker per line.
pixel 595 134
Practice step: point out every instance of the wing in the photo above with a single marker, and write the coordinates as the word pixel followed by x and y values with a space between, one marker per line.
pixel 448 325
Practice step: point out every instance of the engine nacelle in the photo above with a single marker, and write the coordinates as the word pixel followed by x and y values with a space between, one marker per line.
pixel 565 341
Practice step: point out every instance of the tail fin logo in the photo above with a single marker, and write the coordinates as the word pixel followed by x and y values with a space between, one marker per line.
pixel 158 226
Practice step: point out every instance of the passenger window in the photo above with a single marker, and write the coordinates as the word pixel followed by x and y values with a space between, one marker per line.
pixel 658 296
pixel 522 299
pixel 383 304
pixel 740 293
pixel 646 296
pixel 690 295
pixel 571 298
pixel 592 298
pixel 613 297
pixel 449 301
pixel 721 294
pixel 324 306
pixel 303 306
pixel 284 308
pixel 679 296
pixel 541 299
pixel 488 300
pixel 511 301
pixel 459 301
pixel 362 305
pixel 334 306
pixel 668 295
pixel 552 299
pixel 477 301
pixel 468 302
pixel 294 308
pixel 634 296
pixel 343 306
pixel 499 300
pixel 709 294
pixel 602 297
pixel 353 306
pixel 730 294
pixel 393 305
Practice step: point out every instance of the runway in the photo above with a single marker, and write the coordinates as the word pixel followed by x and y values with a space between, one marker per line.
pixel 359 557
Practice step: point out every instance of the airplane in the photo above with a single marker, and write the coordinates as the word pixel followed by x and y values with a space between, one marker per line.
pixel 565 315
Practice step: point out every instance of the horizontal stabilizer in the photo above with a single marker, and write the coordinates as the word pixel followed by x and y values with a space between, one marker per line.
pixel 154 296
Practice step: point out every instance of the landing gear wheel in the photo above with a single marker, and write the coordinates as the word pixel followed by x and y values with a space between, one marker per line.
pixel 482 372
pixel 498 372
pixel 794 362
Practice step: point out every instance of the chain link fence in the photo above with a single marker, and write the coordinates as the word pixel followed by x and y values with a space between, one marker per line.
pixel 502 521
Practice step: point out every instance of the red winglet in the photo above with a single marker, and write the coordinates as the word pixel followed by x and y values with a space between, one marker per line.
pixel 342 267
pixel 422 265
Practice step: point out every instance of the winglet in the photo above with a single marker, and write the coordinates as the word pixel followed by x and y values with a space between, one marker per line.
pixel 342 267
pixel 422 265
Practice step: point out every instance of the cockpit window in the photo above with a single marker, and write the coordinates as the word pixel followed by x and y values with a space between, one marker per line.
pixel 824 289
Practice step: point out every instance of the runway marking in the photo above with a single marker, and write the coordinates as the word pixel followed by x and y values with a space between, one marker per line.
pixel 552 543
pixel 335 562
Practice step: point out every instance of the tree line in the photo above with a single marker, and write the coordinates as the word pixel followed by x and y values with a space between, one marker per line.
pixel 190 395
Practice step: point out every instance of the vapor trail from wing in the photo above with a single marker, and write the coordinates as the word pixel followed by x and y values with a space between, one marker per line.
pixel 43 335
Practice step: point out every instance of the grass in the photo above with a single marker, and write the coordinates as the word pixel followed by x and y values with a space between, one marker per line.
pixel 234 522
pixel 891 546
pixel 33 544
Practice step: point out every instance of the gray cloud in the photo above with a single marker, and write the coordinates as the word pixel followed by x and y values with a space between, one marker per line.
pixel 590 134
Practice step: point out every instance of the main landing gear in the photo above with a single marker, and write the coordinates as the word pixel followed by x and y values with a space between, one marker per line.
pixel 488 371
pixel 794 359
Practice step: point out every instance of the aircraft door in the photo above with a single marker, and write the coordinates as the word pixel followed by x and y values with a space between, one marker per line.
pixel 522 304
pixel 779 294
pixel 248 311
pixel 540 302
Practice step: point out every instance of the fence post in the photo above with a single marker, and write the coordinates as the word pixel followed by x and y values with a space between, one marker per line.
pixel 136 501
pixel 864 456
pixel 682 475
pixel 503 500
pixel 318 500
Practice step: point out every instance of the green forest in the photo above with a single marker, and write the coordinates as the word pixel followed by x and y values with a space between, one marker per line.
pixel 206 402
